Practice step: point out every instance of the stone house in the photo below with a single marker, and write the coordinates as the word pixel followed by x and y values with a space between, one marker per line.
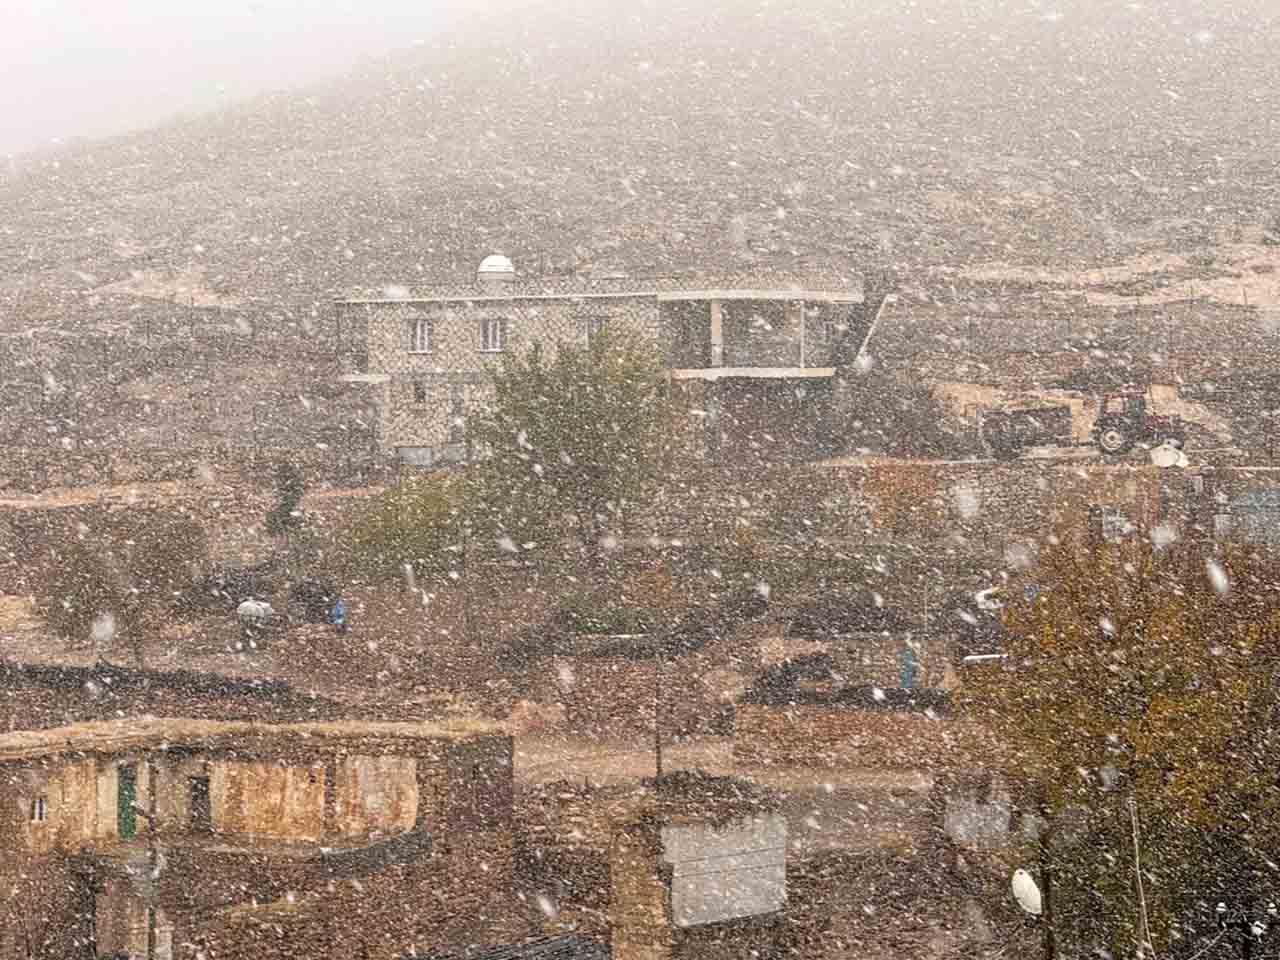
pixel 565 947
pixel 129 837
pixel 737 345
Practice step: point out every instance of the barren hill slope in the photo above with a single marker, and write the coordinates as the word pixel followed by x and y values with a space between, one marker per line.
pixel 655 136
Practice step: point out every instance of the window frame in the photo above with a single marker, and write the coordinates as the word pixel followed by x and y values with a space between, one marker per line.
pixel 595 324
pixel 1113 524
pixel 418 325
pixel 419 392
pixel 456 423
pixel 40 809
pixel 494 324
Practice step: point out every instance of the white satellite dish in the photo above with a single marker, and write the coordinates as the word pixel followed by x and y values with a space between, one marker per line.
pixel 255 612
pixel 1026 892
pixel 1168 454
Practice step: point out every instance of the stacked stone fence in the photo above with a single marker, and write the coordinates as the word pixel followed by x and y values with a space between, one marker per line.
pixel 52 695
pixel 37 469
pixel 848 735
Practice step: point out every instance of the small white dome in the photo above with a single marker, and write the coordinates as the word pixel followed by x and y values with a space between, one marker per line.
pixel 497 266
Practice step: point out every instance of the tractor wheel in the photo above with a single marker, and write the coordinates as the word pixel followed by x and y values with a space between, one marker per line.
pixel 1114 437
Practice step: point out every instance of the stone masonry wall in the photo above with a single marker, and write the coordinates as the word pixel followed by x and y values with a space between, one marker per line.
pixel 615 695
pixel 639 905
pixel 428 388
pixel 34 696
pixel 448 897
pixel 35 469
pixel 806 735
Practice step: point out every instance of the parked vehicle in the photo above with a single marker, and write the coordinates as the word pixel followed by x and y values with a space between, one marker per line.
pixel 1006 433
pixel 1123 420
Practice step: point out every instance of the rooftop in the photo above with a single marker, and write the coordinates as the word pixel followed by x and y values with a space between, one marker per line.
pixel 765 285
pixel 115 736
pixel 566 947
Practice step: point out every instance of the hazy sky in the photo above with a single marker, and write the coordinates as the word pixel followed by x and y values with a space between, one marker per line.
pixel 84 68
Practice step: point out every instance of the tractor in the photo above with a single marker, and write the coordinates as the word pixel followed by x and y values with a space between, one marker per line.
pixel 1123 420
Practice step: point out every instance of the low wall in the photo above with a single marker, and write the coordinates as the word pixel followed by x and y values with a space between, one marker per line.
pixel 607 696
pixel 36 469
pixel 441 900
pixel 849 735
pixel 35 696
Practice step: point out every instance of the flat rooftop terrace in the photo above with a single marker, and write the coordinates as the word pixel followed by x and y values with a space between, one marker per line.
pixel 118 736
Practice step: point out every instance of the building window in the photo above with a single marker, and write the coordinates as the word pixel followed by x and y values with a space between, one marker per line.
pixel 419 392
pixel 457 415
pixel 595 326
pixel 420 338
pixel 1113 524
pixel 200 808
pixel 493 335
pixel 1221 525
pixel 39 809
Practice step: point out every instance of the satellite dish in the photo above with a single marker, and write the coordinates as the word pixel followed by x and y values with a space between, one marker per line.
pixel 1026 892
pixel 1168 454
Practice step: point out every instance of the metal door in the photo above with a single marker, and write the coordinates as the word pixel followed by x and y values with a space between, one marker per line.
pixel 126 797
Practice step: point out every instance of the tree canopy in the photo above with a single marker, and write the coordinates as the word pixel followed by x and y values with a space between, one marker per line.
pixel 110 584
pixel 570 440
pixel 1144 675
pixel 417 522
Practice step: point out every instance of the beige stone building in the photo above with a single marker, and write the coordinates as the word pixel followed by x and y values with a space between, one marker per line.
pixel 425 354
pixel 131 837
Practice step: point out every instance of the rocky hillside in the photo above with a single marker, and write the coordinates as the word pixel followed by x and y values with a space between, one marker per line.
pixel 674 136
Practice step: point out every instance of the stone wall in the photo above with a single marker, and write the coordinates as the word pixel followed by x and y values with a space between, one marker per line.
pixel 374 903
pixel 428 389
pixel 46 909
pixel 35 696
pixel 606 696
pixel 640 913
pixel 460 893
pixel 36 469
pixel 835 735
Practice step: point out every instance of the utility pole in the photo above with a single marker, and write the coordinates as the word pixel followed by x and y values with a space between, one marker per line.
pixel 1046 882
pixel 1137 874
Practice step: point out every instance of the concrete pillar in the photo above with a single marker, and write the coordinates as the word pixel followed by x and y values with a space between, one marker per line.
pixel 717 334
pixel 795 321
pixel 639 911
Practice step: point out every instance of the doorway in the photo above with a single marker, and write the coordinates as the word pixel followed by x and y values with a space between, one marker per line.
pixel 126 797
pixel 199 804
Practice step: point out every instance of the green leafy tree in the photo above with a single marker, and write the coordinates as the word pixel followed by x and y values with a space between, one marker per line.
pixel 122 582
pixel 1143 680
pixel 417 522
pixel 570 441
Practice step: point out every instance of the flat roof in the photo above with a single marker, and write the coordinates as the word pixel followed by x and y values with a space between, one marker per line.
pixel 752 373
pixel 765 285
pixel 117 736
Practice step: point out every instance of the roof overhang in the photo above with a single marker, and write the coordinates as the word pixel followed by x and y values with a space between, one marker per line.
pixel 662 296
pixel 365 378
pixel 754 373
pixel 823 296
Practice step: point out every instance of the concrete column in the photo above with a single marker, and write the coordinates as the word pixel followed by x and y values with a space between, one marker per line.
pixel 639 908
pixel 329 816
pixel 717 334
